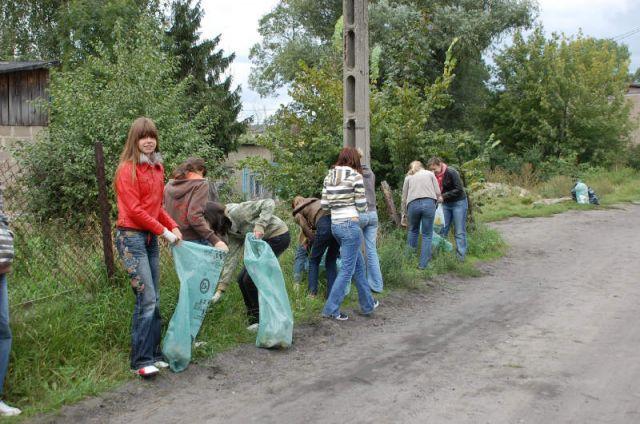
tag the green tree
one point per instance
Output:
(67, 30)
(305, 136)
(28, 29)
(562, 98)
(205, 65)
(413, 36)
(98, 100)
(294, 32)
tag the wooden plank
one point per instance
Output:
(391, 206)
(15, 100)
(46, 79)
(4, 100)
(25, 97)
(43, 84)
(33, 95)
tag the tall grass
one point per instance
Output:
(77, 344)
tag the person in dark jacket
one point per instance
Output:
(454, 203)
(315, 224)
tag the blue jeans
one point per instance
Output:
(369, 225)
(140, 254)
(300, 263)
(5, 331)
(421, 212)
(349, 237)
(456, 212)
(324, 241)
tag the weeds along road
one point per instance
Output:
(549, 334)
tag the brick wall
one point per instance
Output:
(13, 134)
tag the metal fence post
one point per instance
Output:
(105, 207)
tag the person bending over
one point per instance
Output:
(235, 220)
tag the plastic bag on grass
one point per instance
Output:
(198, 269)
(580, 192)
(275, 328)
(437, 241)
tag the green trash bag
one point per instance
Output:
(275, 328)
(437, 241)
(198, 267)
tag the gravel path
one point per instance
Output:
(548, 334)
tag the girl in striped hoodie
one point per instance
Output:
(343, 194)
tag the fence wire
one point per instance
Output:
(52, 258)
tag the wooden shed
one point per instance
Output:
(20, 84)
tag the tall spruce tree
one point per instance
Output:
(202, 61)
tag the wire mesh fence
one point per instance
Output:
(51, 257)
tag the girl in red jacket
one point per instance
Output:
(139, 184)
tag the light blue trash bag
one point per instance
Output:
(198, 269)
(275, 328)
(437, 241)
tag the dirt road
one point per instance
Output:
(549, 334)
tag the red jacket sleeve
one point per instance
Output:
(166, 220)
(129, 196)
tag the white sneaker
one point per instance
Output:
(8, 411)
(161, 364)
(148, 371)
(253, 328)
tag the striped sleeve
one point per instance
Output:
(324, 201)
(359, 192)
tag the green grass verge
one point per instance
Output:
(75, 345)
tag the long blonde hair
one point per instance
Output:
(414, 167)
(141, 128)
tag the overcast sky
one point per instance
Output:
(237, 21)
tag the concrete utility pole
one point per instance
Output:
(356, 76)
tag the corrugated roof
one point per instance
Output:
(7, 67)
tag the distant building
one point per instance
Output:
(633, 94)
(243, 180)
(20, 84)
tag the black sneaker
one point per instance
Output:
(376, 303)
(339, 317)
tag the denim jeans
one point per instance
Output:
(300, 263)
(349, 237)
(369, 225)
(140, 254)
(248, 288)
(421, 212)
(323, 242)
(456, 213)
(5, 331)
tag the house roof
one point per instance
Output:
(8, 67)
